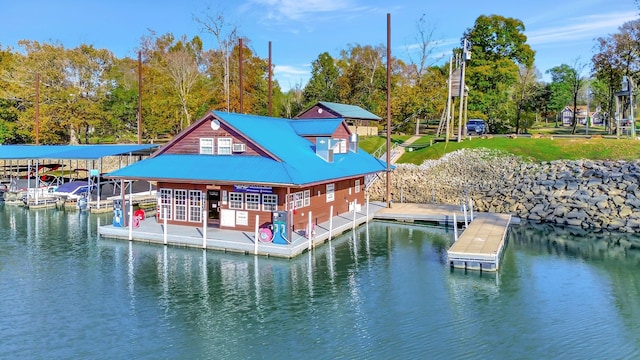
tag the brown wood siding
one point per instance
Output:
(313, 113)
(344, 194)
(190, 144)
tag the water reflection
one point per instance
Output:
(381, 291)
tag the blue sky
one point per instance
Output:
(559, 31)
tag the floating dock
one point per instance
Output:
(481, 244)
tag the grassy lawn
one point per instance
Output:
(372, 143)
(543, 149)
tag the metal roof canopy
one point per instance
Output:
(73, 152)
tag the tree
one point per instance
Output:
(323, 84)
(617, 56)
(525, 90)
(498, 46)
(226, 36)
(569, 82)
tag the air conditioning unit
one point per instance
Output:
(239, 148)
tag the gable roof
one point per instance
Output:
(350, 111)
(294, 160)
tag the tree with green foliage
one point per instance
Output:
(323, 84)
(569, 81)
(498, 46)
(617, 56)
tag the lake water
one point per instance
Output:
(380, 293)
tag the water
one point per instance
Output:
(66, 293)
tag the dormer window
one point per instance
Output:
(340, 146)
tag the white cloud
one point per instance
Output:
(298, 9)
(580, 28)
(290, 76)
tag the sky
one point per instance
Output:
(559, 31)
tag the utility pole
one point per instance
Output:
(388, 110)
(464, 57)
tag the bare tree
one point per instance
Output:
(226, 36)
(426, 47)
(181, 66)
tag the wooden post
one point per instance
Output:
(388, 110)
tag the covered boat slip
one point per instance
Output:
(32, 173)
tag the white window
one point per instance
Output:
(166, 196)
(180, 204)
(252, 201)
(195, 205)
(307, 198)
(342, 146)
(206, 146)
(298, 200)
(330, 192)
(269, 202)
(224, 146)
(235, 201)
(357, 186)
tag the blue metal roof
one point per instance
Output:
(296, 161)
(321, 127)
(350, 111)
(82, 152)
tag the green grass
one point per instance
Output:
(543, 149)
(372, 143)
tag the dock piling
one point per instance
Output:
(255, 238)
(455, 227)
(164, 217)
(330, 221)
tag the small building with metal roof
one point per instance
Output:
(359, 120)
(237, 171)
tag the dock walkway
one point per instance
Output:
(479, 247)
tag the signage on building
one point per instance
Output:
(256, 189)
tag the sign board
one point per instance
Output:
(256, 189)
(242, 218)
(227, 218)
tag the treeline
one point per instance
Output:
(88, 95)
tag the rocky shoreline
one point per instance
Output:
(593, 195)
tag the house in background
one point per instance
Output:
(240, 166)
(581, 116)
(359, 120)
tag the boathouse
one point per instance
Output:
(359, 120)
(231, 170)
